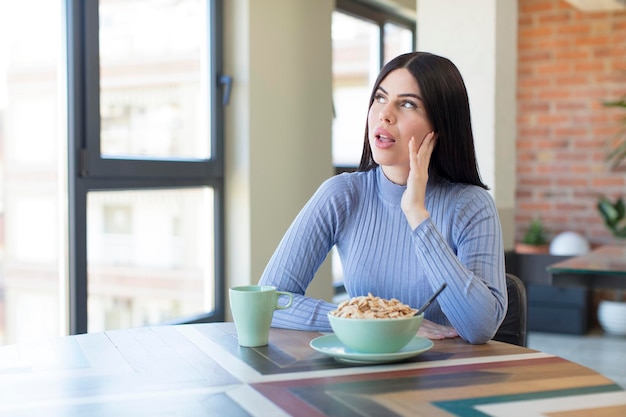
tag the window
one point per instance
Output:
(364, 39)
(147, 181)
(111, 161)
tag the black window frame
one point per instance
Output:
(89, 171)
(379, 15)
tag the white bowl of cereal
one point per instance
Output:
(374, 325)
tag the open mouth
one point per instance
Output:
(385, 139)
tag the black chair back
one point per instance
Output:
(513, 328)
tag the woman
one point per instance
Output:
(415, 215)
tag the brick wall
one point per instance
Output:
(569, 63)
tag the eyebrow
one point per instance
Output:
(415, 96)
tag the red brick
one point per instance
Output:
(618, 65)
(593, 91)
(559, 18)
(536, 56)
(590, 118)
(552, 118)
(534, 182)
(534, 131)
(592, 66)
(570, 106)
(576, 54)
(555, 43)
(534, 107)
(533, 82)
(619, 25)
(570, 206)
(554, 93)
(536, 32)
(582, 169)
(525, 20)
(532, 7)
(534, 207)
(592, 41)
(573, 29)
(608, 182)
(572, 80)
(602, 52)
(570, 131)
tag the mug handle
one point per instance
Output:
(283, 306)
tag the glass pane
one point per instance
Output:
(154, 98)
(398, 40)
(32, 148)
(150, 256)
(355, 67)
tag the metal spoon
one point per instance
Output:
(431, 299)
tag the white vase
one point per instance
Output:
(612, 317)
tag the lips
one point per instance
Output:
(384, 139)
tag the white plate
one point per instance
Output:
(331, 345)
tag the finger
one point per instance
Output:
(412, 153)
(428, 144)
(426, 150)
(430, 335)
(436, 331)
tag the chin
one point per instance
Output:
(383, 160)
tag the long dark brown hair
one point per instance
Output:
(446, 103)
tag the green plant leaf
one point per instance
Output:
(614, 215)
(616, 103)
(535, 234)
(619, 206)
(608, 212)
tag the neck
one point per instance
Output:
(397, 175)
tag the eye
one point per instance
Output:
(379, 98)
(408, 105)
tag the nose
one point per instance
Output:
(386, 115)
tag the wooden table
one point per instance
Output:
(604, 267)
(199, 370)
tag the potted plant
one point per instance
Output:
(535, 239)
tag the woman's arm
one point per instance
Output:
(475, 300)
(302, 250)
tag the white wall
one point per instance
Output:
(278, 126)
(480, 37)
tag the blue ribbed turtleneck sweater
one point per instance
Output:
(360, 214)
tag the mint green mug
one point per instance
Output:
(252, 307)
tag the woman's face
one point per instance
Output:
(396, 115)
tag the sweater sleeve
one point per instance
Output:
(472, 266)
(302, 250)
